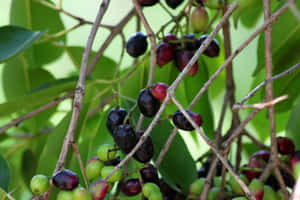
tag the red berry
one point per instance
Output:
(182, 59)
(285, 145)
(99, 190)
(263, 154)
(131, 187)
(255, 163)
(182, 123)
(159, 91)
(164, 53)
(171, 38)
(65, 180)
(147, 2)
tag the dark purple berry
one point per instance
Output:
(171, 39)
(263, 154)
(137, 44)
(285, 145)
(182, 58)
(213, 49)
(125, 138)
(115, 118)
(202, 172)
(147, 2)
(65, 179)
(166, 190)
(164, 53)
(145, 153)
(113, 162)
(131, 187)
(147, 103)
(182, 123)
(174, 3)
(191, 43)
(149, 174)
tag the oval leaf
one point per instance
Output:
(4, 174)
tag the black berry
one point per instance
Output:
(65, 180)
(174, 3)
(213, 49)
(137, 44)
(285, 145)
(182, 123)
(113, 162)
(131, 187)
(125, 137)
(149, 174)
(182, 58)
(191, 42)
(171, 39)
(202, 172)
(145, 153)
(148, 104)
(115, 117)
(164, 53)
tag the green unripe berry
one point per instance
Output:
(296, 170)
(269, 193)
(236, 187)
(197, 186)
(148, 188)
(213, 193)
(155, 195)
(240, 198)
(214, 4)
(65, 195)
(199, 19)
(280, 195)
(105, 152)
(81, 193)
(39, 184)
(114, 177)
(217, 181)
(93, 168)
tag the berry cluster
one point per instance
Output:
(250, 174)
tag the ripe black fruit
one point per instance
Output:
(137, 44)
(182, 123)
(65, 180)
(113, 162)
(149, 174)
(182, 58)
(166, 190)
(191, 43)
(145, 153)
(148, 105)
(202, 172)
(213, 49)
(147, 2)
(131, 187)
(115, 117)
(174, 3)
(125, 138)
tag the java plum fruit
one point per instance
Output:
(164, 53)
(65, 179)
(182, 123)
(147, 2)
(125, 137)
(137, 44)
(159, 91)
(115, 117)
(182, 58)
(213, 49)
(285, 145)
(174, 3)
(146, 151)
(149, 174)
(131, 187)
(147, 103)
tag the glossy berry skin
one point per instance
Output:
(65, 179)
(159, 91)
(98, 190)
(182, 59)
(113, 162)
(149, 174)
(146, 151)
(93, 168)
(164, 53)
(137, 44)
(131, 187)
(171, 39)
(257, 189)
(39, 184)
(174, 3)
(166, 190)
(125, 138)
(191, 42)
(199, 19)
(263, 154)
(213, 49)
(285, 145)
(115, 117)
(114, 177)
(255, 163)
(182, 123)
(106, 152)
(147, 2)
(202, 172)
(147, 103)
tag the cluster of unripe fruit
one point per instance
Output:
(250, 173)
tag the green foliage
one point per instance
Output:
(293, 125)
(4, 174)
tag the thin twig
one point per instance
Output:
(262, 84)
(209, 177)
(255, 141)
(17, 121)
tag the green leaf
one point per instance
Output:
(4, 174)
(285, 37)
(28, 165)
(292, 128)
(15, 39)
(35, 16)
(3, 194)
